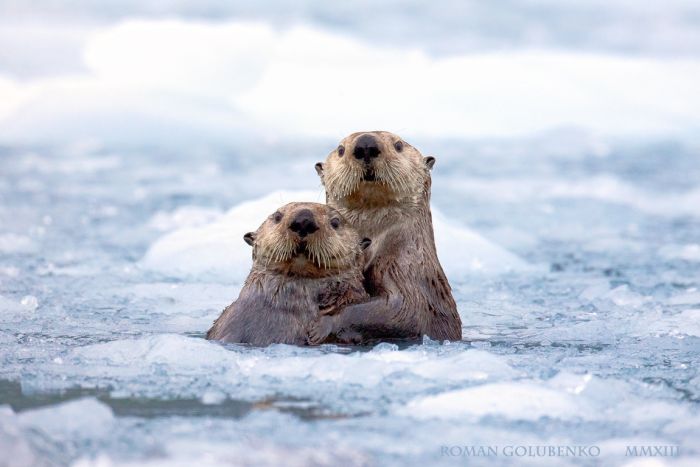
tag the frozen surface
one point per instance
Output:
(566, 201)
(131, 88)
(216, 250)
(581, 326)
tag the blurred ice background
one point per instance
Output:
(139, 140)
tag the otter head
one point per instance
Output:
(306, 240)
(375, 167)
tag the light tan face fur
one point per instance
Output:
(334, 246)
(400, 171)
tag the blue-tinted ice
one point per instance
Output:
(592, 337)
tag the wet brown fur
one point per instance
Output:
(287, 286)
(411, 296)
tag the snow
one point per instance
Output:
(515, 401)
(690, 252)
(566, 396)
(135, 152)
(685, 323)
(9, 308)
(12, 243)
(16, 448)
(185, 216)
(606, 188)
(237, 372)
(689, 297)
(216, 250)
(81, 417)
(133, 88)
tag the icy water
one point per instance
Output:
(592, 340)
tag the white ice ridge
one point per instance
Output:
(566, 396)
(226, 77)
(216, 251)
(248, 373)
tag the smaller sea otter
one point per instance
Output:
(306, 259)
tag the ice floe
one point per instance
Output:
(216, 250)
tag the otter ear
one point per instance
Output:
(249, 238)
(365, 243)
(429, 161)
(319, 169)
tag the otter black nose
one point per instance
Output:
(366, 148)
(304, 223)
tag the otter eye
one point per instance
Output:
(398, 146)
(335, 222)
(341, 151)
(277, 217)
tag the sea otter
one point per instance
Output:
(381, 185)
(306, 258)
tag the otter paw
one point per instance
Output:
(331, 310)
(350, 337)
(320, 330)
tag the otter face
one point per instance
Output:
(375, 163)
(306, 239)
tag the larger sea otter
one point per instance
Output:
(381, 185)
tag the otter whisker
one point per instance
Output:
(344, 180)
